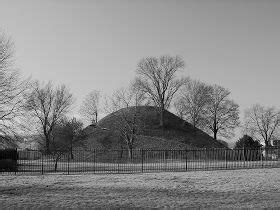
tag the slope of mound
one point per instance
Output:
(176, 133)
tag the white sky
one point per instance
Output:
(96, 45)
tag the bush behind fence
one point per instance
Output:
(122, 161)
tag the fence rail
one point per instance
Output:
(136, 161)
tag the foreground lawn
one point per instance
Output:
(253, 188)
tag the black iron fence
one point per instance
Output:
(136, 161)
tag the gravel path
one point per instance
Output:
(254, 188)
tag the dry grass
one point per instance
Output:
(254, 188)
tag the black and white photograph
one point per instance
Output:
(149, 104)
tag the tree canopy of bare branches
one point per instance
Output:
(222, 113)
(126, 101)
(47, 105)
(192, 101)
(262, 122)
(125, 97)
(156, 77)
(69, 134)
(12, 90)
(90, 107)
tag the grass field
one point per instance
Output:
(251, 188)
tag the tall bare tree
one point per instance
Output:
(126, 101)
(47, 105)
(192, 101)
(262, 122)
(90, 107)
(156, 77)
(179, 107)
(121, 98)
(12, 90)
(222, 115)
(69, 134)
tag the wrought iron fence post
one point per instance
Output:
(261, 152)
(68, 164)
(42, 157)
(205, 165)
(226, 157)
(244, 157)
(118, 160)
(16, 157)
(186, 159)
(142, 160)
(164, 158)
(94, 151)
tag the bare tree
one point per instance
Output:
(124, 98)
(192, 102)
(126, 101)
(179, 107)
(262, 122)
(47, 105)
(12, 90)
(156, 77)
(90, 108)
(68, 134)
(222, 115)
(121, 98)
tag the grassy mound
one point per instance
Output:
(176, 133)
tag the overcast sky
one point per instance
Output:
(96, 45)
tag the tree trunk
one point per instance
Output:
(130, 153)
(47, 145)
(215, 133)
(161, 122)
(71, 150)
(48, 140)
(215, 129)
(121, 153)
(266, 142)
(56, 161)
(194, 124)
(55, 165)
